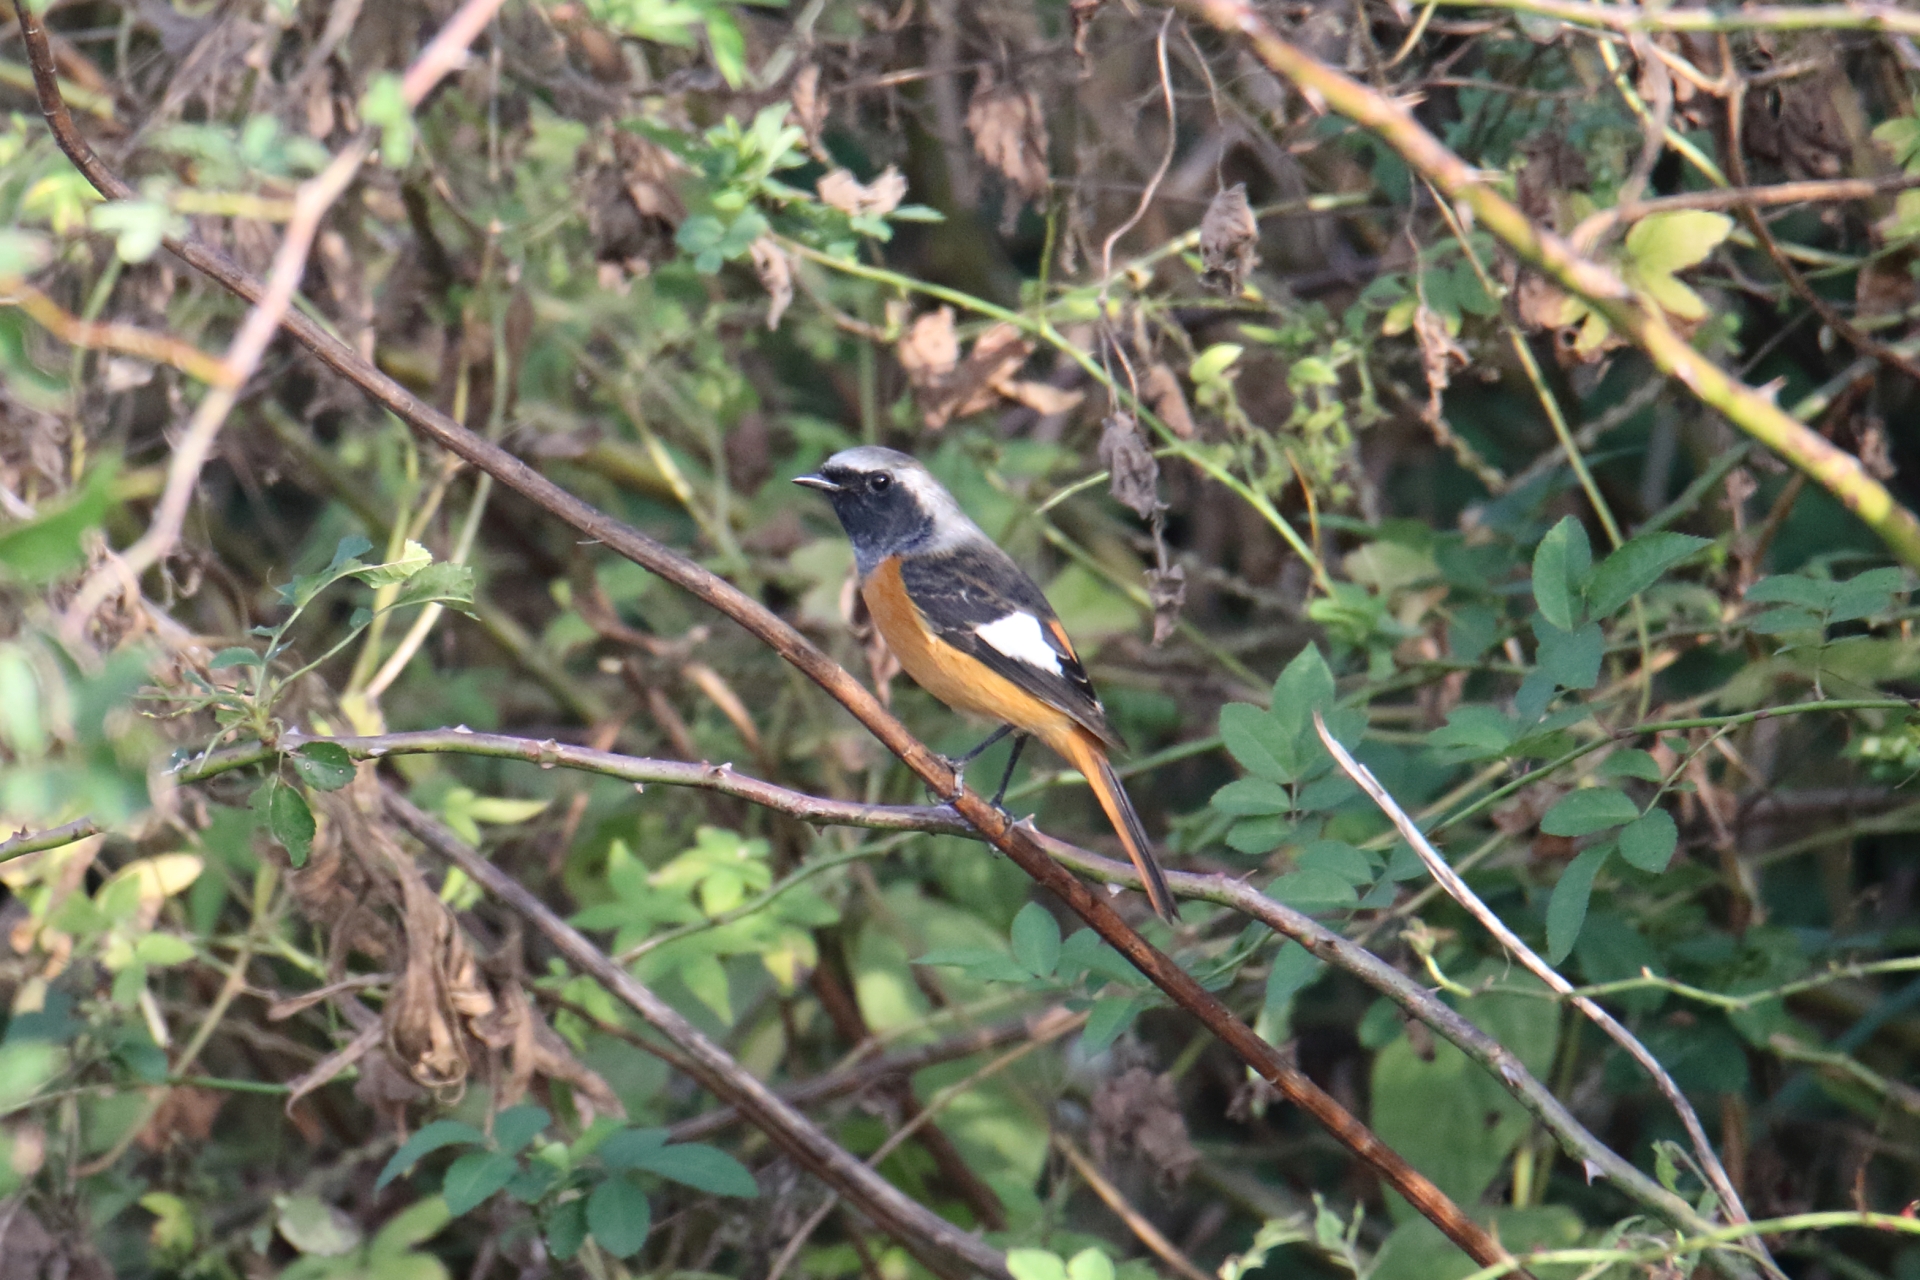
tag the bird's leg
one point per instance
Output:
(959, 764)
(1013, 759)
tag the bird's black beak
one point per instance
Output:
(821, 483)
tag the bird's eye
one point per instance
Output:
(880, 482)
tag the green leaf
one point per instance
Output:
(1253, 798)
(1631, 763)
(50, 546)
(474, 1177)
(1305, 686)
(1036, 940)
(1210, 364)
(1035, 1264)
(1259, 742)
(1663, 243)
(439, 583)
(1090, 1264)
(1635, 566)
(1567, 910)
(1109, 1016)
(441, 1133)
(1571, 658)
(701, 1167)
(324, 766)
(416, 1224)
(1648, 841)
(626, 1148)
(1337, 857)
(413, 558)
(291, 822)
(619, 1216)
(315, 1227)
(384, 106)
(1560, 566)
(1867, 594)
(1792, 588)
(236, 657)
(1589, 810)
(567, 1229)
(1473, 733)
(515, 1127)
(1782, 621)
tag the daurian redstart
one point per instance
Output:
(973, 630)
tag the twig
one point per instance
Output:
(1136, 1222)
(937, 1243)
(25, 842)
(1638, 319)
(95, 335)
(1159, 175)
(1459, 890)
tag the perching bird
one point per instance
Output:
(973, 630)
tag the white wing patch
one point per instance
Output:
(1018, 635)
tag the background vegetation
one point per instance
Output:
(1520, 388)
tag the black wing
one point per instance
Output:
(978, 600)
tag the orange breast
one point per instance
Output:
(960, 681)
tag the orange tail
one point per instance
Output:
(1090, 758)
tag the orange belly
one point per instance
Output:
(960, 681)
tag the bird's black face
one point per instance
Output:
(877, 506)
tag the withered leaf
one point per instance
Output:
(1138, 1113)
(1010, 133)
(1043, 397)
(948, 387)
(776, 277)
(929, 350)
(1135, 473)
(841, 190)
(1161, 390)
(1167, 590)
(1229, 241)
(809, 107)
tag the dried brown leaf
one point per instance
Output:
(810, 107)
(1876, 454)
(929, 350)
(1138, 1113)
(1134, 472)
(841, 190)
(1161, 390)
(776, 277)
(186, 1113)
(1229, 241)
(1010, 133)
(1042, 397)
(1167, 590)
